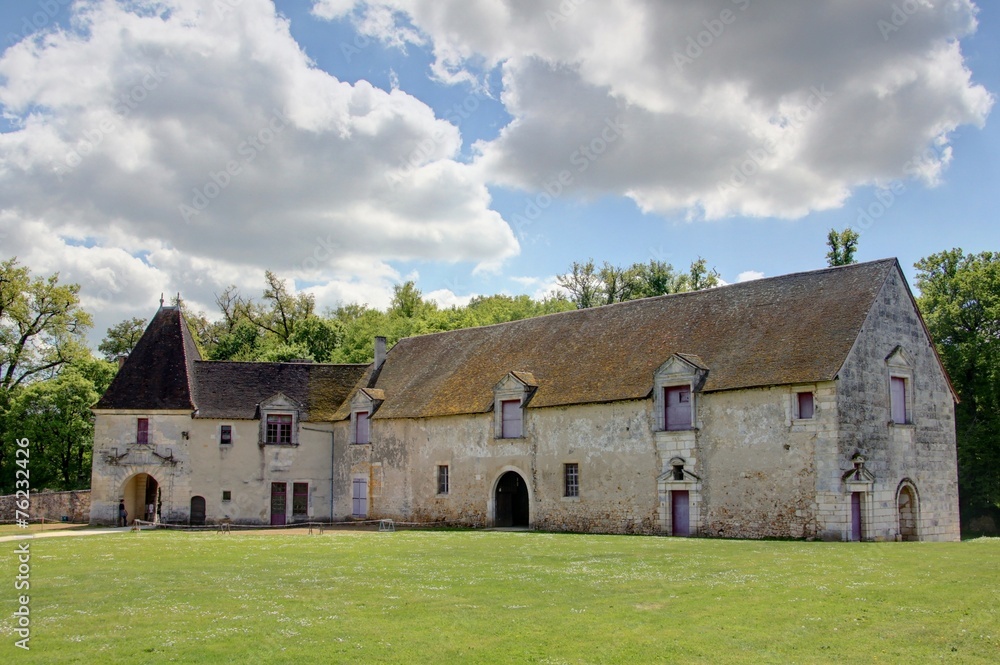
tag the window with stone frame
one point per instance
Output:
(805, 405)
(571, 479)
(898, 389)
(443, 479)
(512, 419)
(225, 434)
(362, 427)
(677, 407)
(278, 428)
(142, 431)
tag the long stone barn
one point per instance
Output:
(808, 405)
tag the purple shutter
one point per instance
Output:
(806, 406)
(678, 407)
(856, 516)
(898, 398)
(511, 418)
(359, 498)
(680, 513)
(362, 433)
(142, 431)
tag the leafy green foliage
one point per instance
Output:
(54, 415)
(589, 286)
(121, 338)
(960, 301)
(843, 245)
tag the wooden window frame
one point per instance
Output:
(901, 402)
(225, 435)
(278, 429)
(297, 496)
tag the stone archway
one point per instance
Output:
(139, 492)
(511, 505)
(908, 507)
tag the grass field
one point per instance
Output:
(465, 597)
(36, 527)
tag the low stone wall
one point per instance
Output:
(74, 505)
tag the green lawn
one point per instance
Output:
(454, 596)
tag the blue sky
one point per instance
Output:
(185, 145)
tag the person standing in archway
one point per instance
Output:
(122, 513)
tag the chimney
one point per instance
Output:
(379, 352)
(121, 361)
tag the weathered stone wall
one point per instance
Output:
(922, 451)
(200, 466)
(758, 463)
(73, 505)
(612, 443)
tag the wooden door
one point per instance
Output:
(680, 513)
(359, 498)
(278, 492)
(856, 516)
(197, 510)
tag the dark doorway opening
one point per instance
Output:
(511, 501)
(197, 510)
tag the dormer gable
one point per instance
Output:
(279, 420)
(511, 395)
(364, 404)
(675, 384)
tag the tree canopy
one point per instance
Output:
(960, 301)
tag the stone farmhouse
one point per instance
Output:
(808, 405)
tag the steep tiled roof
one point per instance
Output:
(156, 375)
(793, 329)
(233, 389)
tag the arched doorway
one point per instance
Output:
(510, 504)
(197, 510)
(906, 503)
(139, 493)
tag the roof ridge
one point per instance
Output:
(648, 299)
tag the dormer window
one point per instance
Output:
(510, 397)
(279, 422)
(511, 426)
(675, 384)
(362, 427)
(364, 404)
(279, 428)
(677, 401)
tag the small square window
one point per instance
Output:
(442, 478)
(226, 434)
(806, 405)
(227, 495)
(571, 477)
